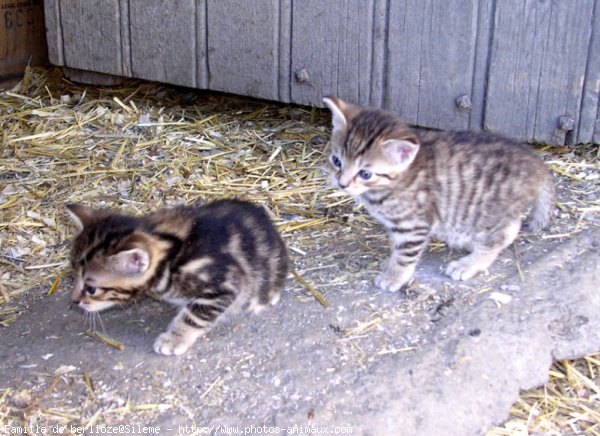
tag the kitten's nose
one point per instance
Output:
(344, 182)
(345, 179)
(76, 295)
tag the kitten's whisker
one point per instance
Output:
(97, 315)
(87, 321)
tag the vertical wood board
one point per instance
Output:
(201, 45)
(332, 47)
(485, 21)
(537, 67)
(91, 35)
(163, 40)
(378, 82)
(431, 53)
(125, 39)
(243, 47)
(590, 103)
(285, 50)
(54, 32)
(564, 67)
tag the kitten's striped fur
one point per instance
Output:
(202, 259)
(468, 189)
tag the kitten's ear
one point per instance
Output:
(81, 215)
(338, 118)
(130, 262)
(340, 111)
(401, 151)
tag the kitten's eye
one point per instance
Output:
(336, 161)
(89, 290)
(365, 174)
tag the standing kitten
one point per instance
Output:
(467, 189)
(202, 259)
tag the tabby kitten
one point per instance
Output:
(203, 259)
(465, 188)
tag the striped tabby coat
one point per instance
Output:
(202, 259)
(465, 188)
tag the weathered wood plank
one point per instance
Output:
(201, 45)
(163, 40)
(590, 103)
(125, 39)
(485, 22)
(54, 32)
(243, 47)
(332, 50)
(379, 56)
(431, 51)
(564, 66)
(538, 62)
(91, 35)
(285, 52)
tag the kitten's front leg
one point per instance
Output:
(191, 322)
(407, 246)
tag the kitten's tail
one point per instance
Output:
(543, 205)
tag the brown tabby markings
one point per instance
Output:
(203, 259)
(468, 189)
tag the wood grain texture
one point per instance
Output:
(537, 67)
(126, 69)
(163, 40)
(201, 45)
(243, 47)
(431, 51)
(589, 121)
(91, 35)
(521, 65)
(285, 50)
(54, 32)
(378, 82)
(485, 21)
(332, 50)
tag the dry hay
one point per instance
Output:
(145, 145)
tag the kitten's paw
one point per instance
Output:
(463, 270)
(394, 279)
(257, 307)
(275, 299)
(168, 344)
(389, 282)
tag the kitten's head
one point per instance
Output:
(112, 257)
(370, 148)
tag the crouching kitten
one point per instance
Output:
(203, 259)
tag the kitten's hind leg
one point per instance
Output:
(472, 264)
(484, 253)
(270, 294)
(191, 322)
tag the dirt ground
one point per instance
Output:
(443, 358)
(369, 362)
